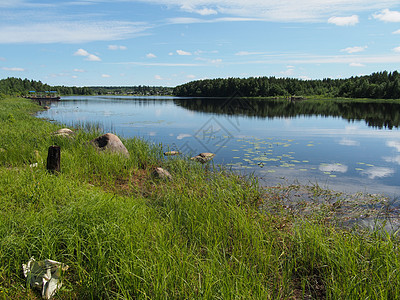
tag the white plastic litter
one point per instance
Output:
(44, 275)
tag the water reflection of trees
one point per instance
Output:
(379, 115)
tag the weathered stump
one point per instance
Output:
(54, 159)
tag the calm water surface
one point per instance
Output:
(340, 145)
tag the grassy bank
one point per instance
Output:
(127, 235)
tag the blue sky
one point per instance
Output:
(170, 42)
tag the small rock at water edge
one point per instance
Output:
(203, 157)
(171, 153)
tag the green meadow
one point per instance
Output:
(206, 234)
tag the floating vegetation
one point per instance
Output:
(272, 152)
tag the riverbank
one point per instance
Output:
(204, 234)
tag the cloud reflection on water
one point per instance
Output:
(378, 172)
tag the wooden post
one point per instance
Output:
(54, 159)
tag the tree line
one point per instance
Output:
(132, 90)
(379, 85)
(21, 87)
(382, 85)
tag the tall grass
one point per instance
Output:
(128, 235)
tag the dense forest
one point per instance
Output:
(20, 87)
(132, 90)
(379, 85)
(382, 85)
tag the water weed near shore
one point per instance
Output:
(201, 235)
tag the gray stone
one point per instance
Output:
(110, 142)
(203, 157)
(161, 174)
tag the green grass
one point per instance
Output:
(127, 235)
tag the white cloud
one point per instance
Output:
(184, 20)
(105, 76)
(81, 52)
(204, 11)
(92, 57)
(150, 55)
(356, 65)
(282, 10)
(387, 15)
(245, 53)
(13, 69)
(344, 21)
(287, 72)
(210, 61)
(338, 59)
(396, 32)
(397, 49)
(70, 32)
(181, 52)
(140, 63)
(378, 172)
(74, 76)
(333, 168)
(89, 57)
(190, 76)
(116, 47)
(79, 70)
(158, 77)
(199, 52)
(354, 49)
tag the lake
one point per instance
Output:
(343, 145)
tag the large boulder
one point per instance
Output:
(203, 157)
(110, 142)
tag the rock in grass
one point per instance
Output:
(203, 157)
(110, 142)
(171, 153)
(161, 174)
(64, 132)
